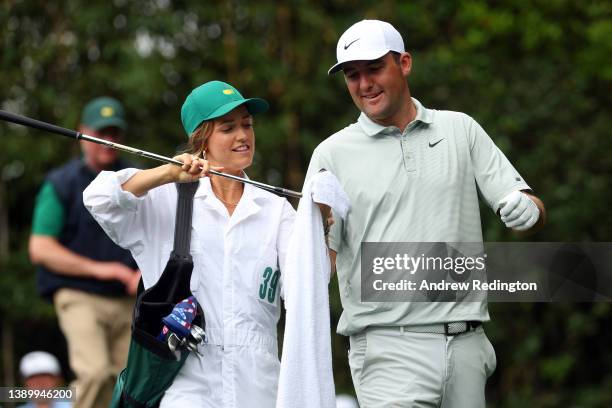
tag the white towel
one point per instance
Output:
(306, 376)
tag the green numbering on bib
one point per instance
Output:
(267, 289)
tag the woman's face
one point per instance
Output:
(232, 142)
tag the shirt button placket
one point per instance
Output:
(408, 155)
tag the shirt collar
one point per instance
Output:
(372, 128)
(251, 193)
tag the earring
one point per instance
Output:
(204, 154)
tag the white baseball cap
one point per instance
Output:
(39, 362)
(367, 40)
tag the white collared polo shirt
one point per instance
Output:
(419, 185)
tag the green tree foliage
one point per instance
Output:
(535, 74)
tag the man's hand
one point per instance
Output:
(113, 271)
(132, 286)
(120, 272)
(518, 211)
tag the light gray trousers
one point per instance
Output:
(393, 367)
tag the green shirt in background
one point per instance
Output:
(420, 185)
(48, 216)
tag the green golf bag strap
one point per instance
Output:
(152, 366)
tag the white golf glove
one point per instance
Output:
(518, 211)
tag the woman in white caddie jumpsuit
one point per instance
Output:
(238, 244)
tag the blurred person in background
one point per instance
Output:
(41, 371)
(91, 281)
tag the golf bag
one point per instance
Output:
(152, 365)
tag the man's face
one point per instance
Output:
(43, 381)
(379, 87)
(100, 157)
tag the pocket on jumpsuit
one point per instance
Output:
(259, 384)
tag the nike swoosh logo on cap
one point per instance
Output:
(433, 144)
(349, 44)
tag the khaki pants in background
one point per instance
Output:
(392, 368)
(97, 330)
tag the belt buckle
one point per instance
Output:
(447, 329)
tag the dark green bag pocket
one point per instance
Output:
(147, 377)
(151, 365)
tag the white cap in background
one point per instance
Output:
(39, 362)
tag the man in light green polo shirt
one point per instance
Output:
(412, 175)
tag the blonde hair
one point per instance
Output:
(198, 139)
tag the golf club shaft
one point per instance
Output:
(47, 127)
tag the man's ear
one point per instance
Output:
(405, 63)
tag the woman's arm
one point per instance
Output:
(143, 181)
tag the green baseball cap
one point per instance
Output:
(212, 100)
(103, 112)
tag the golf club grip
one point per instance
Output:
(37, 124)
